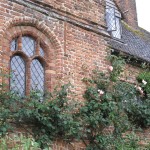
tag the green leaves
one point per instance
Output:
(17, 142)
(118, 64)
(48, 120)
(145, 76)
(139, 113)
(108, 103)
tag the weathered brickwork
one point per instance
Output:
(91, 10)
(128, 8)
(131, 72)
(72, 51)
(84, 52)
(72, 33)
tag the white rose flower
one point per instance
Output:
(101, 92)
(144, 82)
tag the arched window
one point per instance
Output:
(27, 69)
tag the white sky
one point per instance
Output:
(143, 11)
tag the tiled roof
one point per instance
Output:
(133, 42)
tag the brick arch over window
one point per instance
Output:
(39, 31)
(39, 25)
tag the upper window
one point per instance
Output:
(27, 70)
(113, 17)
(117, 33)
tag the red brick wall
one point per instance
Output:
(84, 51)
(73, 33)
(128, 8)
(92, 10)
(73, 48)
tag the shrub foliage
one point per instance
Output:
(109, 103)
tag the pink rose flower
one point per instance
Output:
(110, 68)
(140, 90)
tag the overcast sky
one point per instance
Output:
(143, 10)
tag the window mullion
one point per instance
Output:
(37, 47)
(27, 65)
(28, 77)
(19, 43)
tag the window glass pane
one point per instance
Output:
(117, 32)
(41, 52)
(111, 4)
(28, 45)
(110, 19)
(17, 80)
(13, 45)
(37, 76)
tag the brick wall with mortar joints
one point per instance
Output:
(84, 50)
(130, 73)
(92, 10)
(5, 40)
(79, 41)
(38, 7)
(80, 46)
(128, 8)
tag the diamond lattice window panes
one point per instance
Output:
(110, 19)
(113, 17)
(17, 80)
(37, 76)
(27, 72)
(28, 45)
(117, 32)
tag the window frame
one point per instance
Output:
(36, 58)
(117, 29)
(28, 59)
(108, 23)
(11, 70)
(116, 15)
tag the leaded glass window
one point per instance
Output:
(37, 76)
(17, 80)
(28, 45)
(117, 32)
(113, 17)
(21, 81)
(110, 19)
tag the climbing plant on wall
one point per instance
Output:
(111, 108)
